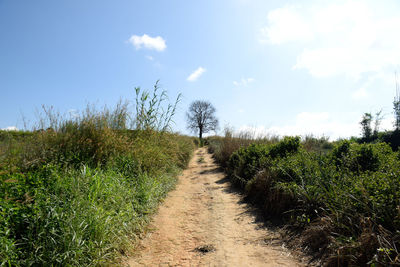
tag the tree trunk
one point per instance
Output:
(201, 133)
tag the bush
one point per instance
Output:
(345, 200)
(246, 162)
(285, 147)
(360, 157)
(223, 148)
(392, 138)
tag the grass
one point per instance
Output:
(342, 198)
(80, 191)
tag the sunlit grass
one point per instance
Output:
(77, 191)
(342, 197)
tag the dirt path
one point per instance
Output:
(203, 222)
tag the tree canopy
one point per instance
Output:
(201, 117)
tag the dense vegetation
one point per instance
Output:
(392, 138)
(342, 198)
(76, 191)
(79, 192)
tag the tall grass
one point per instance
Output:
(78, 190)
(344, 200)
(150, 112)
(223, 148)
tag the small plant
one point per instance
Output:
(151, 114)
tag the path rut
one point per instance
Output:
(204, 222)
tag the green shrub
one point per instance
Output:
(223, 148)
(285, 147)
(345, 201)
(360, 157)
(246, 162)
(340, 152)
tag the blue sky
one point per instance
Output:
(278, 67)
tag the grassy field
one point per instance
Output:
(341, 199)
(77, 192)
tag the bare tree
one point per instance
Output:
(201, 117)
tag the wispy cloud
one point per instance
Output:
(196, 74)
(346, 38)
(316, 123)
(243, 82)
(147, 42)
(150, 58)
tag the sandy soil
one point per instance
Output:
(204, 222)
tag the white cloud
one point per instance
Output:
(349, 38)
(10, 128)
(150, 58)
(243, 82)
(148, 42)
(285, 25)
(196, 74)
(316, 123)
